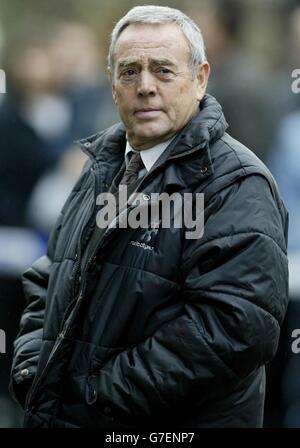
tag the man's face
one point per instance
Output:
(152, 83)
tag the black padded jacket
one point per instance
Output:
(158, 328)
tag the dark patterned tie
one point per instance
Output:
(134, 166)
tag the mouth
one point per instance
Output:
(147, 112)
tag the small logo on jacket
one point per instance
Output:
(141, 245)
(148, 234)
(146, 237)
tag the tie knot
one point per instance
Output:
(134, 166)
(135, 160)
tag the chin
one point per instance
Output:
(152, 132)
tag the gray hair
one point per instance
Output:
(161, 15)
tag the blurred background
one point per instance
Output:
(54, 57)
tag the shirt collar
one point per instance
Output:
(148, 156)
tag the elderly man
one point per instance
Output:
(127, 326)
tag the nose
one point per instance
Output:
(146, 85)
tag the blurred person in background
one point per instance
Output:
(128, 327)
(248, 93)
(284, 162)
(56, 94)
(24, 154)
(80, 79)
(78, 65)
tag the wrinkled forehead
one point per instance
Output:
(156, 41)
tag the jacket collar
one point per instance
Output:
(197, 136)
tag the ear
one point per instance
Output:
(111, 81)
(202, 79)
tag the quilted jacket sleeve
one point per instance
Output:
(235, 297)
(28, 341)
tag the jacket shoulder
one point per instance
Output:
(233, 161)
(237, 157)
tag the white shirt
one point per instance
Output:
(148, 156)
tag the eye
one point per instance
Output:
(128, 74)
(164, 72)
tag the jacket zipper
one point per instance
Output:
(77, 264)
